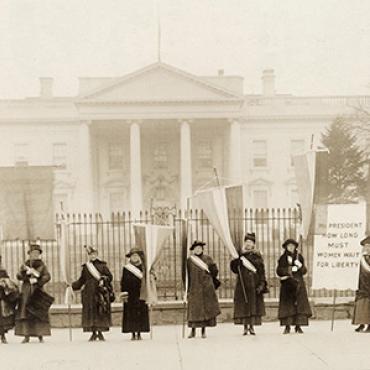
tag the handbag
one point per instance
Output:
(39, 304)
(216, 282)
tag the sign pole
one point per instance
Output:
(333, 311)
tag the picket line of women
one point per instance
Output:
(27, 309)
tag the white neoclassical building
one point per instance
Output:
(154, 137)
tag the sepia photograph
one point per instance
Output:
(184, 184)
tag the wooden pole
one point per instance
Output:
(70, 321)
(151, 320)
(185, 290)
(333, 311)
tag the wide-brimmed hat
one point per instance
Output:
(34, 247)
(290, 241)
(250, 236)
(134, 250)
(365, 241)
(197, 243)
(90, 249)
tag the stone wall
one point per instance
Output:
(167, 313)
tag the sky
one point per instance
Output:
(316, 47)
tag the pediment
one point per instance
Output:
(260, 182)
(159, 83)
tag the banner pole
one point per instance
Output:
(70, 321)
(150, 320)
(333, 311)
(185, 290)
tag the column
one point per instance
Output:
(136, 194)
(85, 194)
(185, 163)
(235, 167)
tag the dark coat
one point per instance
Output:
(202, 299)
(27, 289)
(8, 301)
(96, 310)
(135, 311)
(363, 281)
(27, 324)
(293, 292)
(255, 286)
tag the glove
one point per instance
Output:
(259, 289)
(33, 281)
(294, 269)
(123, 296)
(298, 263)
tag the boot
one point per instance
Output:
(245, 332)
(101, 336)
(298, 329)
(251, 330)
(133, 336)
(3, 339)
(26, 339)
(93, 337)
(41, 339)
(204, 335)
(360, 328)
(287, 329)
(138, 336)
(367, 329)
(192, 333)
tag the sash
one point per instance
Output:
(93, 271)
(134, 270)
(198, 262)
(248, 264)
(365, 265)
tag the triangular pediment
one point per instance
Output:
(159, 82)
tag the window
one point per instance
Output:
(21, 154)
(161, 156)
(205, 154)
(259, 153)
(116, 201)
(296, 147)
(60, 155)
(115, 156)
(260, 199)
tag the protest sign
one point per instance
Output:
(337, 253)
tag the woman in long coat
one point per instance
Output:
(8, 299)
(251, 284)
(34, 275)
(135, 310)
(294, 307)
(203, 307)
(361, 315)
(95, 281)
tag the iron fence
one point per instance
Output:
(114, 238)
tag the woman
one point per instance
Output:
(294, 308)
(203, 305)
(135, 311)
(34, 275)
(361, 315)
(97, 294)
(8, 299)
(251, 284)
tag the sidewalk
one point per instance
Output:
(225, 348)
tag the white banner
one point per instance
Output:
(337, 254)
